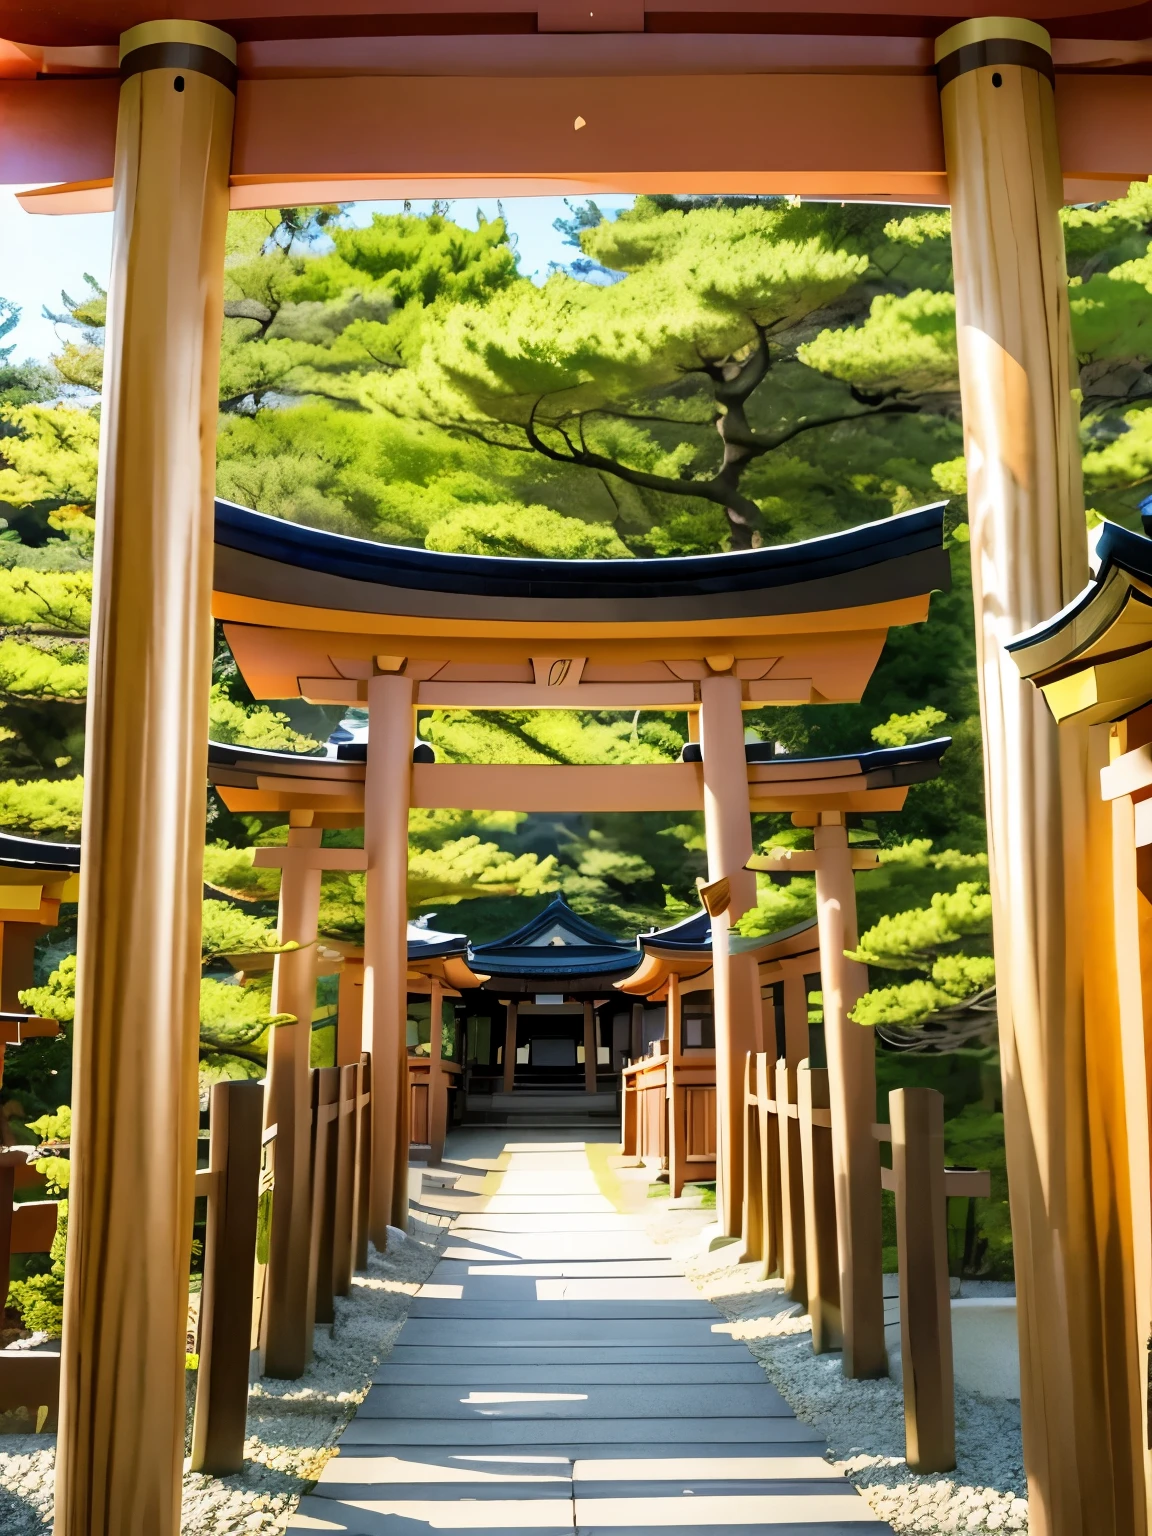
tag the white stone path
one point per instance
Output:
(558, 1373)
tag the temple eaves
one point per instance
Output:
(1091, 660)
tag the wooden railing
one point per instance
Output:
(789, 1191)
(429, 1086)
(239, 1186)
(790, 1227)
(668, 1113)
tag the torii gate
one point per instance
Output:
(257, 102)
(737, 780)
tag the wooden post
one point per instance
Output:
(437, 1077)
(637, 1031)
(1029, 559)
(7, 1189)
(752, 1218)
(510, 1045)
(343, 1221)
(350, 1012)
(362, 1173)
(736, 979)
(17, 957)
(321, 1248)
(122, 1411)
(589, 1048)
(770, 1186)
(917, 1117)
(218, 1427)
(792, 1260)
(852, 1089)
(387, 795)
(822, 1266)
(286, 1343)
(1132, 947)
(630, 1116)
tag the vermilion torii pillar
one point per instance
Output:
(736, 1000)
(122, 1369)
(1029, 559)
(286, 1326)
(387, 796)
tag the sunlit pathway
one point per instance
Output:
(559, 1373)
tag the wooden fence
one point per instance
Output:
(668, 1113)
(790, 1228)
(239, 1187)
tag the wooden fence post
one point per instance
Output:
(629, 1118)
(325, 1108)
(8, 1160)
(793, 1257)
(218, 1426)
(822, 1261)
(362, 1175)
(753, 1215)
(344, 1218)
(917, 1117)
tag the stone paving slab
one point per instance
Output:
(460, 1373)
(460, 1272)
(535, 1309)
(514, 1331)
(523, 1433)
(565, 1355)
(558, 1373)
(546, 1400)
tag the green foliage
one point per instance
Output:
(53, 671)
(48, 456)
(907, 344)
(509, 529)
(38, 809)
(899, 730)
(39, 1300)
(908, 940)
(228, 930)
(57, 998)
(779, 907)
(256, 726)
(48, 600)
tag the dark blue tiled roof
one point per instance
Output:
(585, 950)
(32, 853)
(871, 760)
(1116, 549)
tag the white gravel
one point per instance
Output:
(863, 1421)
(292, 1425)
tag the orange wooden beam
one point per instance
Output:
(867, 135)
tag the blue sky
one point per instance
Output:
(42, 254)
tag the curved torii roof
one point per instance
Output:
(1091, 659)
(315, 615)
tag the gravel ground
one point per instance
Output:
(863, 1421)
(292, 1425)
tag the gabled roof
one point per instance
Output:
(556, 943)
